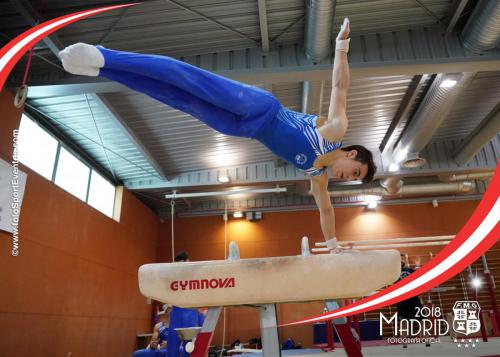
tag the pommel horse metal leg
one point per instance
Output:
(351, 344)
(269, 331)
(202, 342)
(204, 338)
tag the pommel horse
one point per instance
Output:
(263, 282)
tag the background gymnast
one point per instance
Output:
(309, 142)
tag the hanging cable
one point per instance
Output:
(172, 210)
(225, 257)
(225, 229)
(22, 91)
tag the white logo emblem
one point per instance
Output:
(466, 317)
(300, 159)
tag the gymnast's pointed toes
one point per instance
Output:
(82, 54)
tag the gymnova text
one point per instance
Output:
(200, 284)
(16, 204)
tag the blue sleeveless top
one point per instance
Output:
(163, 332)
(294, 137)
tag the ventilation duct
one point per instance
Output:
(479, 137)
(392, 184)
(318, 34)
(472, 176)
(434, 108)
(317, 45)
(482, 31)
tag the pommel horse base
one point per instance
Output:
(267, 281)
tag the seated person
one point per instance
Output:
(158, 344)
(181, 317)
(407, 309)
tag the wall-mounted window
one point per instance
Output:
(101, 194)
(36, 148)
(72, 174)
(42, 153)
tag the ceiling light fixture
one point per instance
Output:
(448, 83)
(372, 201)
(224, 178)
(393, 167)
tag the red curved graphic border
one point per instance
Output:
(491, 198)
(46, 29)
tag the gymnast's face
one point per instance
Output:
(347, 168)
(164, 317)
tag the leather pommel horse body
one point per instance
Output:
(263, 282)
(270, 280)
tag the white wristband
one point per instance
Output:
(342, 45)
(332, 243)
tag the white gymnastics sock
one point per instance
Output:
(82, 70)
(82, 54)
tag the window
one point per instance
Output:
(36, 148)
(101, 194)
(72, 174)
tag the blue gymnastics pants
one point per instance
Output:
(228, 106)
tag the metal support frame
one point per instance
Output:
(204, 338)
(458, 8)
(68, 142)
(33, 18)
(438, 155)
(115, 25)
(225, 193)
(427, 10)
(264, 33)
(122, 125)
(211, 19)
(351, 343)
(408, 52)
(269, 331)
(487, 129)
(403, 111)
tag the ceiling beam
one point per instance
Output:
(69, 143)
(127, 131)
(264, 33)
(33, 18)
(74, 86)
(409, 52)
(479, 137)
(458, 8)
(438, 155)
(403, 111)
(212, 20)
(297, 203)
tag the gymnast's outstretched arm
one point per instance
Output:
(336, 125)
(319, 188)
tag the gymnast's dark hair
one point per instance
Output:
(181, 257)
(365, 157)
